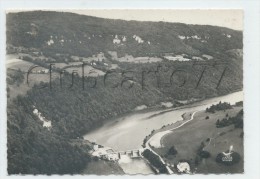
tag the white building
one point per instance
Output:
(105, 153)
(183, 167)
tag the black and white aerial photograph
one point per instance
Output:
(124, 92)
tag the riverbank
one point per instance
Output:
(155, 139)
(166, 128)
(157, 108)
(128, 132)
(202, 132)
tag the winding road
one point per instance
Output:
(155, 140)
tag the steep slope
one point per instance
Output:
(75, 111)
(60, 32)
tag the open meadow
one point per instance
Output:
(203, 131)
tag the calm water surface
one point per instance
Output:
(128, 132)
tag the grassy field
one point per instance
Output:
(13, 65)
(188, 138)
(102, 167)
(24, 66)
(88, 71)
(16, 65)
(62, 65)
(22, 87)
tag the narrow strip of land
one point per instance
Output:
(155, 140)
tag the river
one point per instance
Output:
(128, 132)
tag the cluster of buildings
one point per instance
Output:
(41, 71)
(105, 153)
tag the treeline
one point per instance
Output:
(181, 80)
(32, 149)
(74, 111)
(14, 77)
(219, 107)
(240, 103)
(237, 121)
(106, 97)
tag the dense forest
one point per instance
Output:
(85, 109)
(85, 35)
(106, 97)
(33, 149)
(74, 109)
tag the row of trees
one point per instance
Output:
(236, 120)
(219, 107)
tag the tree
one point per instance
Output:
(204, 154)
(172, 151)
(218, 122)
(197, 160)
